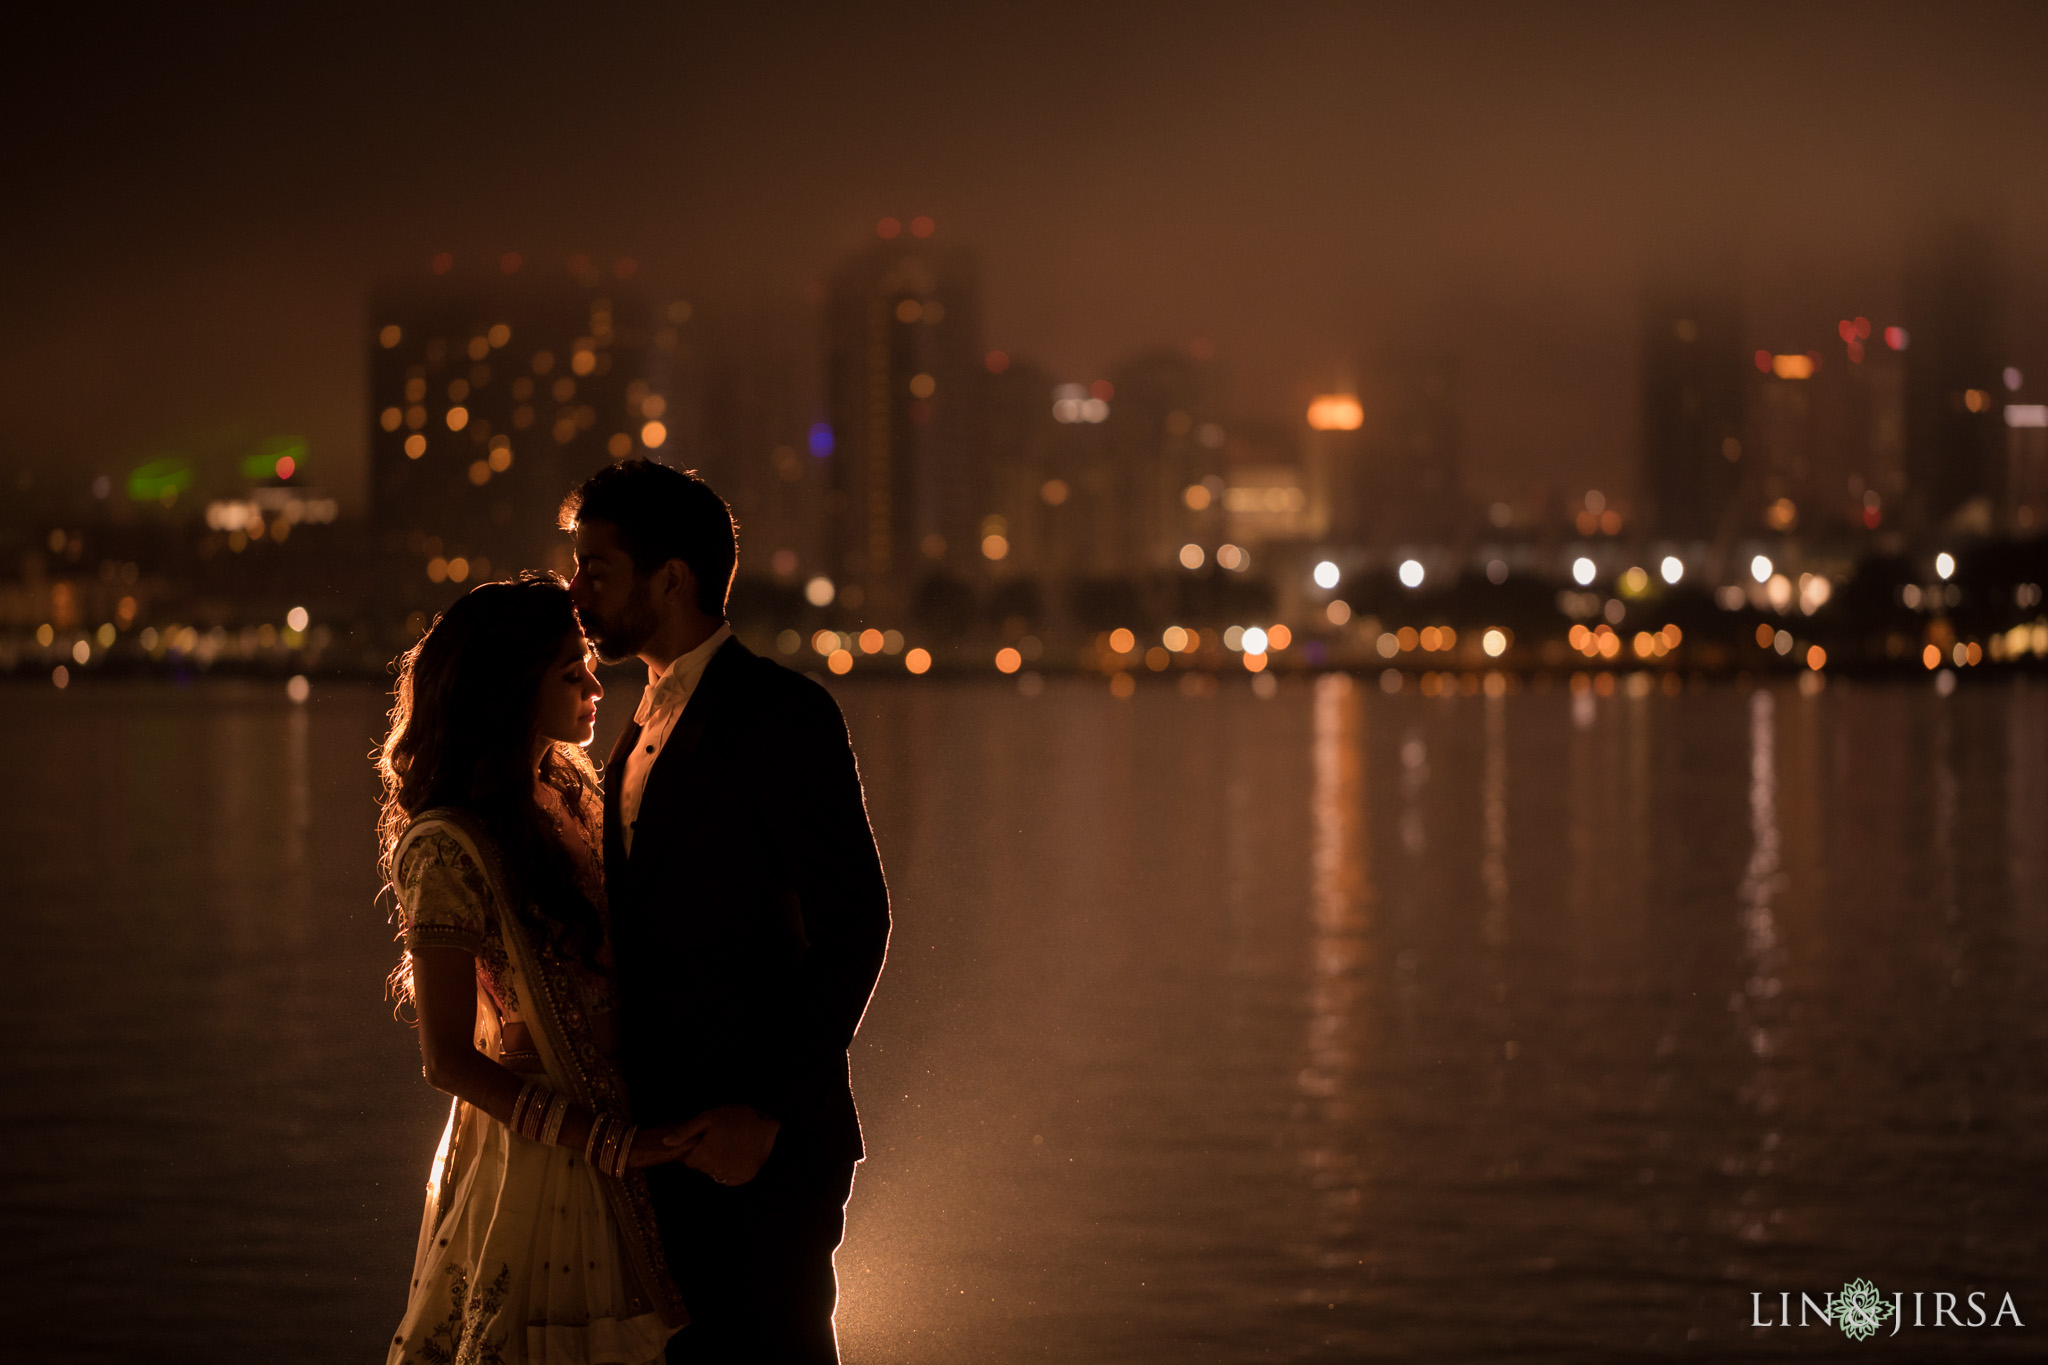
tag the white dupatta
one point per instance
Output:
(526, 1253)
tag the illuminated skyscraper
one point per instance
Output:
(1161, 402)
(1693, 383)
(756, 366)
(1410, 488)
(1332, 462)
(491, 396)
(904, 377)
(1030, 486)
(1822, 452)
(1955, 441)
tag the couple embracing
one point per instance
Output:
(640, 988)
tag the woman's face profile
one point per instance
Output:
(568, 695)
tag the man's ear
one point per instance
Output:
(679, 578)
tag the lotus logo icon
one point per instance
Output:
(1860, 1310)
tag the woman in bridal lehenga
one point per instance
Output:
(538, 1243)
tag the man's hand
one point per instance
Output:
(659, 1145)
(730, 1143)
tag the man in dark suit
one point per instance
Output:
(749, 921)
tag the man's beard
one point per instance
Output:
(619, 638)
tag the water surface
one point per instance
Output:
(1337, 1026)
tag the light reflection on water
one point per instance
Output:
(1336, 1026)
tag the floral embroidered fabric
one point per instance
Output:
(527, 1254)
(446, 901)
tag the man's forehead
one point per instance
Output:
(597, 539)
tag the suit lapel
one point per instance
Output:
(704, 702)
(614, 788)
(669, 778)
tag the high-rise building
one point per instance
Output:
(1822, 454)
(1265, 495)
(1160, 402)
(1332, 463)
(761, 439)
(1693, 382)
(1408, 488)
(491, 396)
(904, 379)
(1955, 441)
(1031, 487)
(2026, 468)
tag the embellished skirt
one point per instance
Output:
(519, 1260)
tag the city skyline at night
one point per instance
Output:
(1253, 304)
(920, 489)
(1304, 191)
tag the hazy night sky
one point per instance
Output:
(197, 205)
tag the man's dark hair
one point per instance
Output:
(662, 514)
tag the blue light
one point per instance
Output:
(821, 440)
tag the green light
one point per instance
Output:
(154, 480)
(262, 465)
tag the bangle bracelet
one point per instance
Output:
(519, 1105)
(615, 1160)
(609, 1149)
(558, 1111)
(598, 1123)
(537, 1114)
(623, 1161)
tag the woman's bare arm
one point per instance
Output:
(444, 994)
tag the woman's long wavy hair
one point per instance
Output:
(464, 717)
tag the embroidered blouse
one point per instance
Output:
(446, 901)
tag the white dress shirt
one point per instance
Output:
(667, 694)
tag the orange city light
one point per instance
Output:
(1792, 366)
(1336, 412)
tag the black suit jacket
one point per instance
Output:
(750, 921)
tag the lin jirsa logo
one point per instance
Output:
(1861, 1311)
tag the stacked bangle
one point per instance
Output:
(558, 1111)
(598, 1123)
(609, 1149)
(539, 1113)
(521, 1107)
(536, 1114)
